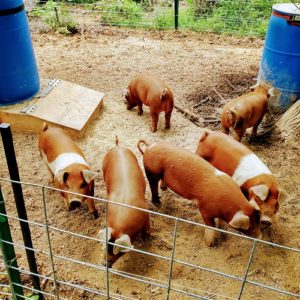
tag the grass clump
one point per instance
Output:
(57, 17)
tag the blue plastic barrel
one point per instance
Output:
(280, 63)
(19, 78)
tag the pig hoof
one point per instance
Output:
(109, 264)
(168, 127)
(163, 187)
(156, 202)
(95, 214)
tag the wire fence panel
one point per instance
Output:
(101, 281)
(241, 17)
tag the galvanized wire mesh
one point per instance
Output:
(167, 284)
(241, 17)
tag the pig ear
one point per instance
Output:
(124, 240)
(271, 92)
(62, 176)
(88, 175)
(126, 93)
(163, 94)
(204, 134)
(253, 203)
(232, 117)
(253, 87)
(240, 221)
(283, 196)
(261, 191)
(102, 235)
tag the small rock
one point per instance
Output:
(134, 292)
(156, 291)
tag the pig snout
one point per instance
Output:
(75, 203)
(266, 220)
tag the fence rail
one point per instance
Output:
(167, 285)
(241, 17)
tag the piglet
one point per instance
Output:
(153, 92)
(125, 184)
(254, 178)
(246, 111)
(67, 168)
(193, 178)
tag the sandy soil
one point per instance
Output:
(194, 65)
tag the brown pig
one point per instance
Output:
(193, 178)
(67, 167)
(125, 184)
(247, 170)
(153, 92)
(246, 111)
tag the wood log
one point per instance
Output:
(189, 115)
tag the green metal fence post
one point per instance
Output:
(176, 11)
(9, 255)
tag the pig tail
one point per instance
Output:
(139, 147)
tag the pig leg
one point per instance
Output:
(225, 129)
(154, 117)
(239, 132)
(91, 207)
(254, 129)
(51, 176)
(163, 185)
(140, 108)
(67, 205)
(146, 229)
(153, 182)
(168, 119)
(209, 234)
(91, 203)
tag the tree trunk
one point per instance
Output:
(289, 123)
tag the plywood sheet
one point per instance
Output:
(63, 103)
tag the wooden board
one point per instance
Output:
(60, 103)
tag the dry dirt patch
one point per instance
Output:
(193, 64)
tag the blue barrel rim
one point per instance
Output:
(11, 11)
(10, 4)
(289, 9)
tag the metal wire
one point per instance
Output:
(172, 258)
(247, 270)
(49, 243)
(102, 200)
(165, 285)
(222, 17)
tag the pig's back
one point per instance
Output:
(53, 142)
(192, 177)
(149, 86)
(121, 169)
(222, 151)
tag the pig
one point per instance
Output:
(153, 92)
(246, 111)
(67, 168)
(193, 178)
(253, 177)
(125, 184)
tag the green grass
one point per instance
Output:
(239, 17)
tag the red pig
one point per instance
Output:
(247, 170)
(193, 178)
(153, 92)
(67, 167)
(125, 184)
(246, 111)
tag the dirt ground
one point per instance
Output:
(198, 67)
